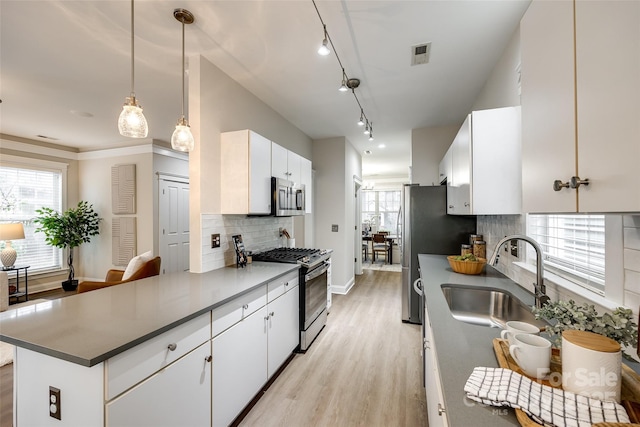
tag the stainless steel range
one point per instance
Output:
(314, 266)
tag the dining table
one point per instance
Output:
(391, 238)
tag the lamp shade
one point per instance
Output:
(11, 231)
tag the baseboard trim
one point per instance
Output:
(343, 290)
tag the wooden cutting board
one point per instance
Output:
(630, 393)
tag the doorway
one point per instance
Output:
(173, 221)
(357, 241)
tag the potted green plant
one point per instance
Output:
(68, 229)
(617, 325)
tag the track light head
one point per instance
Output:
(324, 48)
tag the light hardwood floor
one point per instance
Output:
(364, 369)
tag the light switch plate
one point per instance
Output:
(334, 228)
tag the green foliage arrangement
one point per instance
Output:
(564, 315)
(68, 229)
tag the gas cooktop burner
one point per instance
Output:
(289, 255)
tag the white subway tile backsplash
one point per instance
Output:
(632, 281)
(258, 233)
(632, 238)
(632, 260)
(631, 221)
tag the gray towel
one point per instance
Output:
(545, 405)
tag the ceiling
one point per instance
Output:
(66, 65)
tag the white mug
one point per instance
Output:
(532, 353)
(517, 327)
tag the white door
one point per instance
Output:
(173, 219)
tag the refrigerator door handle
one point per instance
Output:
(417, 286)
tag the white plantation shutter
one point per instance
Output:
(22, 191)
(573, 246)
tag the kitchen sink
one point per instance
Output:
(487, 306)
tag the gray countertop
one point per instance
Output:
(91, 327)
(461, 346)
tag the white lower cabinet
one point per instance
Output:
(178, 395)
(248, 353)
(283, 329)
(436, 410)
(239, 366)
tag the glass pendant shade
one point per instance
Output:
(132, 122)
(182, 139)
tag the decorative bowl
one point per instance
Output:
(466, 267)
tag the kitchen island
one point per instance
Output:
(97, 350)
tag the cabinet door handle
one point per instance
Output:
(559, 185)
(208, 359)
(266, 317)
(441, 409)
(272, 314)
(450, 206)
(467, 204)
(576, 182)
(172, 346)
(245, 307)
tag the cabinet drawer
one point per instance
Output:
(234, 311)
(134, 365)
(281, 285)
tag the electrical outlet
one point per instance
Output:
(215, 241)
(514, 248)
(54, 403)
(334, 228)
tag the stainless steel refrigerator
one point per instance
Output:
(425, 228)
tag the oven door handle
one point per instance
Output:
(317, 272)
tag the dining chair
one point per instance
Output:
(381, 244)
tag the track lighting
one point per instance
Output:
(182, 138)
(132, 122)
(347, 83)
(324, 49)
(343, 86)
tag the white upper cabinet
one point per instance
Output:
(445, 167)
(306, 178)
(580, 109)
(285, 164)
(485, 176)
(245, 173)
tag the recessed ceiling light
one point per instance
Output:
(367, 152)
(381, 145)
(81, 113)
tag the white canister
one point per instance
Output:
(291, 243)
(591, 365)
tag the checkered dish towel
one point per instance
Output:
(544, 404)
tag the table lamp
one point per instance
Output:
(9, 232)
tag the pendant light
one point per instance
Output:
(343, 87)
(132, 122)
(182, 139)
(361, 121)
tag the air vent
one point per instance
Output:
(420, 53)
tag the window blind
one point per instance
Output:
(573, 246)
(22, 191)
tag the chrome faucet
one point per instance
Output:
(540, 290)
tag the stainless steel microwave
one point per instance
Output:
(288, 197)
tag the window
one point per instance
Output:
(573, 246)
(23, 189)
(380, 209)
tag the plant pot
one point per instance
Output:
(70, 285)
